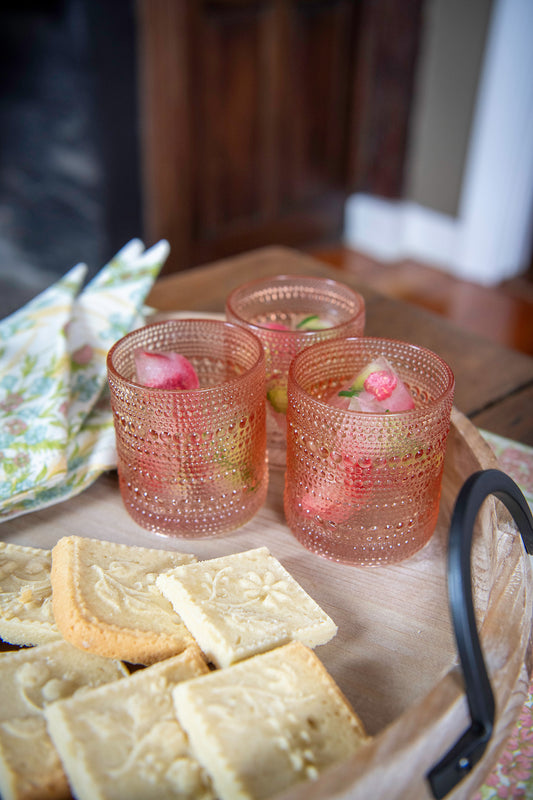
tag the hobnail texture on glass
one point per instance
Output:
(192, 463)
(364, 488)
(280, 300)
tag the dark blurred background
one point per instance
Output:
(69, 151)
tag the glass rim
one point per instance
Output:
(282, 278)
(220, 323)
(412, 412)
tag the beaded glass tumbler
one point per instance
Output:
(192, 463)
(289, 313)
(364, 488)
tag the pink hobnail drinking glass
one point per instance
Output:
(192, 463)
(364, 488)
(289, 313)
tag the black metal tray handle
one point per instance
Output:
(468, 750)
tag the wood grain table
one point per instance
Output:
(494, 385)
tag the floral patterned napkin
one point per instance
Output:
(56, 428)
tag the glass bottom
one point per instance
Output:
(367, 538)
(194, 518)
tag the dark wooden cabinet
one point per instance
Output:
(258, 118)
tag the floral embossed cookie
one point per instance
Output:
(242, 604)
(26, 615)
(30, 680)
(106, 602)
(267, 723)
(123, 739)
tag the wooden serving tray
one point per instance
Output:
(394, 655)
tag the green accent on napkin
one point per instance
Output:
(56, 427)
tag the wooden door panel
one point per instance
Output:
(229, 86)
(248, 122)
(270, 118)
(315, 100)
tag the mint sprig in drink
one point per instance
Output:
(376, 388)
(367, 424)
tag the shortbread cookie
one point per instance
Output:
(35, 676)
(239, 605)
(26, 615)
(105, 600)
(124, 740)
(30, 768)
(267, 723)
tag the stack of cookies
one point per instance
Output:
(231, 701)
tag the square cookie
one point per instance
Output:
(105, 600)
(26, 615)
(242, 604)
(30, 767)
(30, 679)
(124, 740)
(268, 723)
(35, 676)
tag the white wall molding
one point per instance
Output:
(490, 240)
(390, 230)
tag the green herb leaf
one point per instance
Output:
(307, 320)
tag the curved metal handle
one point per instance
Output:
(468, 750)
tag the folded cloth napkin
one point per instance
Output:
(56, 427)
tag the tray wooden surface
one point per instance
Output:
(394, 655)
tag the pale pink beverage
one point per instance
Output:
(289, 313)
(191, 461)
(363, 487)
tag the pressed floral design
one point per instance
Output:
(255, 588)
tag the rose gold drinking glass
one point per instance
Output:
(364, 488)
(192, 462)
(275, 309)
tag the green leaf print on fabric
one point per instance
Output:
(56, 428)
